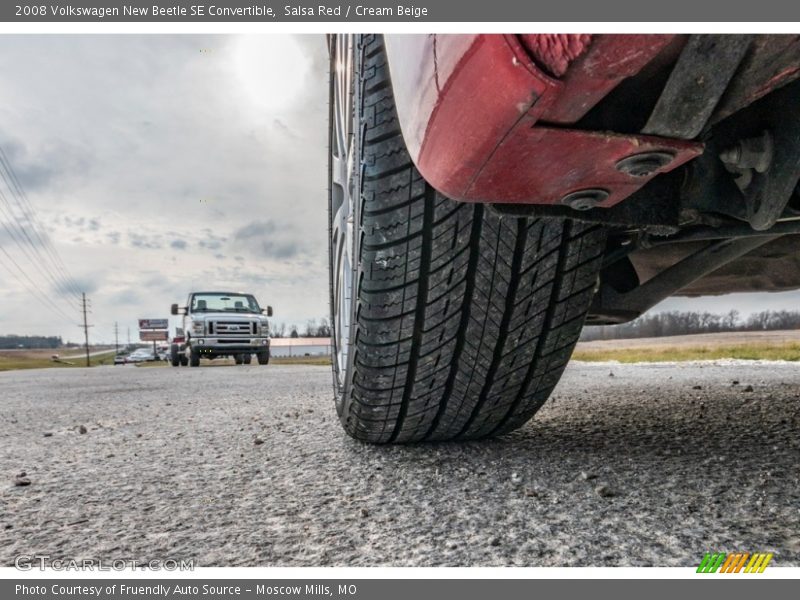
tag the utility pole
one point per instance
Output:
(116, 338)
(85, 328)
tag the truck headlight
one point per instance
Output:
(197, 327)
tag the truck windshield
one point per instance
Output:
(224, 303)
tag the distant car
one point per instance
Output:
(120, 359)
(141, 355)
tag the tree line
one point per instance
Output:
(690, 322)
(312, 329)
(10, 342)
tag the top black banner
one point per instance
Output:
(378, 11)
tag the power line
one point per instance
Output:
(59, 278)
(16, 240)
(30, 214)
(33, 288)
(41, 264)
(19, 196)
(36, 247)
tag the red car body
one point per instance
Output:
(529, 90)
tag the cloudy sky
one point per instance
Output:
(163, 164)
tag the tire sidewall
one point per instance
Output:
(342, 388)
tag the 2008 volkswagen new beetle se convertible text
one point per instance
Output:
(491, 194)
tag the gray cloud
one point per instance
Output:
(256, 229)
(87, 284)
(144, 241)
(269, 239)
(81, 224)
(39, 168)
(127, 297)
(279, 250)
(210, 244)
(178, 244)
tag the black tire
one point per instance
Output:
(174, 356)
(464, 319)
(237, 358)
(247, 358)
(263, 358)
(184, 360)
(194, 358)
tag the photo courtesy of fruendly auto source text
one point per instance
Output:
(386, 300)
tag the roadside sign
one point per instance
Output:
(153, 324)
(153, 336)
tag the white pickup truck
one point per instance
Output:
(221, 324)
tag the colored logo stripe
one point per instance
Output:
(711, 562)
(758, 563)
(733, 563)
(730, 563)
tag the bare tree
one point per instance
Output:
(311, 328)
(324, 329)
(730, 320)
(687, 323)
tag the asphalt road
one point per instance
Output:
(248, 466)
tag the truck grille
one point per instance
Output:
(231, 328)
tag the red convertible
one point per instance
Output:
(491, 194)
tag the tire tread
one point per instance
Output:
(465, 318)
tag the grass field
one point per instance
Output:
(301, 360)
(745, 351)
(11, 360)
(745, 346)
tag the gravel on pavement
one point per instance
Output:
(626, 465)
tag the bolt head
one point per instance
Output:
(585, 199)
(645, 163)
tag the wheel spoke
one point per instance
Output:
(343, 191)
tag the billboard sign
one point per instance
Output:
(153, 336)
(153, 324)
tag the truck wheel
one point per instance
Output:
(237, 358)
(450, 321)
(263, 358)
(247, 358)
(184, 360)
(194, 358)
(174, 357)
